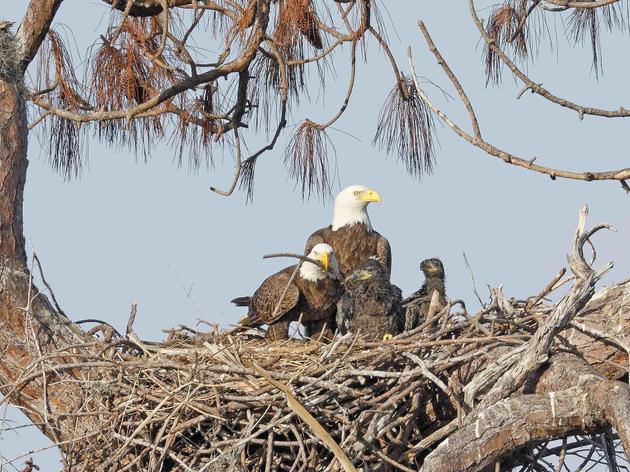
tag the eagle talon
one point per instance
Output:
(387, 337)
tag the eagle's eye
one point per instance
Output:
(357, 193)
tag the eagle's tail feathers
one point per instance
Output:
(241, 301)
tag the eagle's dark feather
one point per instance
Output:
(312, 301)
(371, 304)
(353, 245)
(417, 304)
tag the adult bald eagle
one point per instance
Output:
(312, 295)
(417, 304)
(371, 304)
(350, 234)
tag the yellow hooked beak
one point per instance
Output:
(361, 275)
(371, 196)
(324, 260)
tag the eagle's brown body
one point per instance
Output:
(353, 245)
(371, 305)
(417, 304)
(310, 301)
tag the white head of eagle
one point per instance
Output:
(323, 253)
(351, 206)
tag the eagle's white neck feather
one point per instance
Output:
(312, 272)
(348, 215)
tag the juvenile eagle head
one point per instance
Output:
(432, 268)
(368, 271)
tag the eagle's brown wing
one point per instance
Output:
(268, 294)
(315, 238)
(384, 253)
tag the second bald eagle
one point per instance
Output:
(312, 296)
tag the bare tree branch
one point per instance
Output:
(619, 175)
(537, 87)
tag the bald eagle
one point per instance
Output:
(417, 304)
(371, 304)
(350, 234)
(312, 295)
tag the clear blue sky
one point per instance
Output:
(129, 230)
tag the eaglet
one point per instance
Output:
(417, 304)
(371, 305)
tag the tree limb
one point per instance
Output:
(34, 27)
(619, 175)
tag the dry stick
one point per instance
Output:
(297, 256)
(309, 419)
(470, 271)
(618, 175)
(50, 290)
(600, 335)
(548, 288)
(269, 457)
(523, 20)
(132, 318)
(237, 174)
(38, 120)
(538, 348)
(563, 453)
(586, 4)
(146, 444)
(118, 30)
(282, 123)
(392, 61)
(344, 105)
(140, 427)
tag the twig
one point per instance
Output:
(50, 290)
(548, 288)
(472, 278)
(296, 256)
(132, 318)
(619, 175)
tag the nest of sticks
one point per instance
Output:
(220, 401)
(235, 402)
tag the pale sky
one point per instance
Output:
(130, 230)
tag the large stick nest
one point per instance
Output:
(203, 399)
(223, 401)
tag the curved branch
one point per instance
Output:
(236, 65)
(536, 87)
(453, 78)
(230, 191)
(296, 256)
(583, 4)
(344, 105)
(399, 79)
(619, 175)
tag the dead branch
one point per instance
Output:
(619, 175)
(537, 88)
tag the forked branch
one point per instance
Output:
(620, 175)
